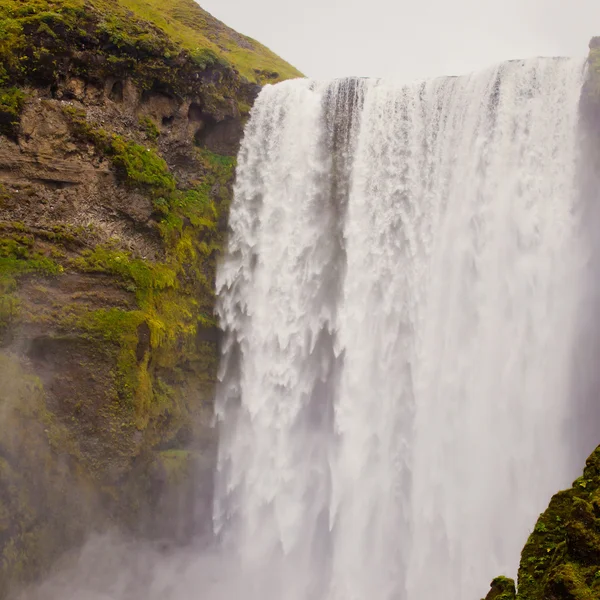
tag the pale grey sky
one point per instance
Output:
(411, 39)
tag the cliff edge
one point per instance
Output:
(120, 121)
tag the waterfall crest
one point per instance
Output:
(399, 302)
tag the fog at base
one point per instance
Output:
(402, 299)
(113, 567)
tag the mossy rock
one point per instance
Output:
(502, 588)
(12, 100)
(153, 41)
(561, 559)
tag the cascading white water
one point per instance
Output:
(399, 302)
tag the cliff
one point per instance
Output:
(561, 559)
(119, 124)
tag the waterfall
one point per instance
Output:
(399, 301)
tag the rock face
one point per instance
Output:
(117, 149)
(561, 560)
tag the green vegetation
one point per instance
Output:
(134, 35)
(141, 166)
(502, 588)
(150, 128)
(174, 296)
(20, 21)
(561, 560)
(17, 258)
(209, 41)
(138, 165)
(12, 100)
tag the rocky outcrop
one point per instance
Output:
(117, 148)
(561, 560)
(502, 588)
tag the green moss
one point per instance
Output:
(561, 559)
(209, 41)
(112, 324)
(502, 588)
(569, 581)
(167, 296)
(150, 128)
(64, 235)
(141, 166)
(146, 277)
(137, 36)
(12, 100)
(201, 207)
(18, 258)
(138, 165)
(44, 20)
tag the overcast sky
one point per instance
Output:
(411, 39)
